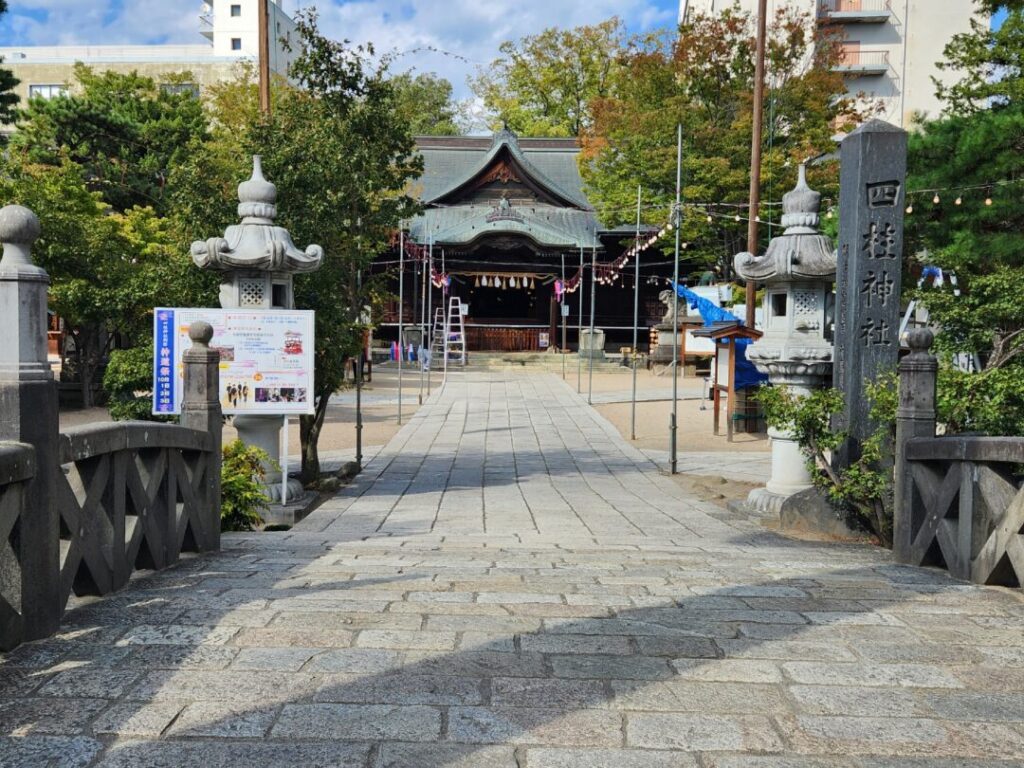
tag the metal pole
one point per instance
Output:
(264, 57)
(430, 311)
(401, 316)
(423, 314)
(579, 331)
(677, 218)
(755, 151)
(359, 378)
(445, 319)
(636, 311)
(593, 295)
(561, 311)
(284, 463)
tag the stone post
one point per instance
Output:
(873, 167)
(914, 418)
(28, 414)
(200, 410)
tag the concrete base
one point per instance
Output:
(296, 510)
(295, 490)
(764, 502)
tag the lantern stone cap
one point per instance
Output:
(801, 252)
(256, 243)
(19, 229)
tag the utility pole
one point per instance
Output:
(264, 68)
(755, 151)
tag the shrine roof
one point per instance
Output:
(451, 161)
(545, 225)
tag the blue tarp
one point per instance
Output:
(746, 374)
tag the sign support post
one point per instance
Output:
(284, 463)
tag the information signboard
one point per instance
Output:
(266, 359)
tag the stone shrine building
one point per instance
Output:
(501, 214)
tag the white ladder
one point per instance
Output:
(455, 340)
(437, 334)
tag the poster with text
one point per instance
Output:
(266, 359)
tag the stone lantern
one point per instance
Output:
(258, 261)
(798, 271)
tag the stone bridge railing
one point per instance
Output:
(79, 512)
(959, 501)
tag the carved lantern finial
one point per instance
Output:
(256, 243)
(801, 251)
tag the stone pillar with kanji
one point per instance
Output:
(871, 198)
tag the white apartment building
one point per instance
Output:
(890, 47)
(230, 29)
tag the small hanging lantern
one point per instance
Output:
(476, 284)
(512, 282)
(531, 284)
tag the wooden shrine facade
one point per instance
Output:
(504, 219)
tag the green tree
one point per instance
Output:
(425, 103)
(989, 62)
(125, 130)
(107, 270)
(348, 196)
(544, 84)
(8, 98)
(975, 153)
(702, 79)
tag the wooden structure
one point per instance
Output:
(725, 335)
(959, 503)
(501, 216)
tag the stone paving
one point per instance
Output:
(510, 584)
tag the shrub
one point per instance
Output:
(864, 488)
(128, 381)
(241, 487)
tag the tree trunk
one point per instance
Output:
(83, 342)
(309, 435)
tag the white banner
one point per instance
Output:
(266, 358)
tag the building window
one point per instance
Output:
(190, 89)
(236, 10)
(236, 43)
(47, 91)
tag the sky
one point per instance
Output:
(465, 33)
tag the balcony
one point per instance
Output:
(859, 63)
(854, 11)
(206, 26)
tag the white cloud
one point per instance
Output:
(449, 37)
(466, 33)
(80, 22)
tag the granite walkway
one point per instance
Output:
(511, 585)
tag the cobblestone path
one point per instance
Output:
(511, 584)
